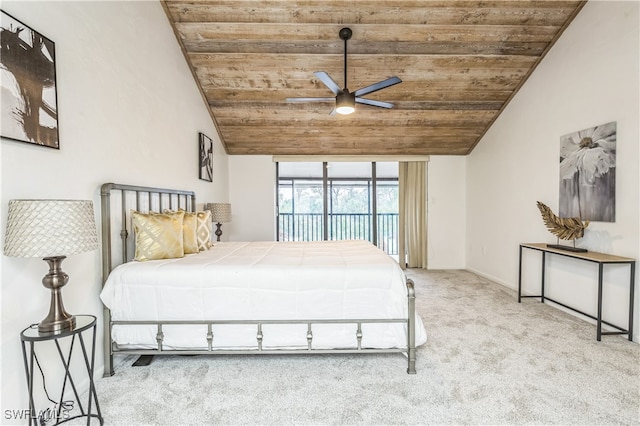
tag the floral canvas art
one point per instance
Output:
(588, 174)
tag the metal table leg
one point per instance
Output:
(520, 275)
(599, 318)
(544, 260)
(632, 272)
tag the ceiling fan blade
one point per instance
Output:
(328, 81)
(300, 100)
(378, 86)
(374, 103)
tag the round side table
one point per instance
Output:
(31, 336)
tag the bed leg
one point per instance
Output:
(411, 328)
(108, 349)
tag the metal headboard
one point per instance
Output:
(139, 198)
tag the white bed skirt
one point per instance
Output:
(263, 281)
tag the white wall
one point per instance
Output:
(129, 112)
(446, 212)
(590, 77)
(252, 193)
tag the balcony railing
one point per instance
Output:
(342, 226)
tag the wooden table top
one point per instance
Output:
(592, 256)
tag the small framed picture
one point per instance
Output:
(206, 158)
(29, 96)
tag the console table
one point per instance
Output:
(601, 259)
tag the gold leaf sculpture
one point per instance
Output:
(565, 228)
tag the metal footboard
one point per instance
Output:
(145, 199)
(160, 349)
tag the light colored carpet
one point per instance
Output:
(488, 360)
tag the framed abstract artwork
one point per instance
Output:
(206, 158)
(28, 83)
(588, 173)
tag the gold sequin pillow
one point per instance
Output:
(189, 228)
(204, 230)
(158, 235)
(196, 230)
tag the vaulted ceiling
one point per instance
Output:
(460, 63)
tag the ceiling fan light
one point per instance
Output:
(344, 110)
(345, 103)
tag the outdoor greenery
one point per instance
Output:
(350, 212)
(350, 204)
(346, 197)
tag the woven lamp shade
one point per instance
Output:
(220, 212)
(48, 228)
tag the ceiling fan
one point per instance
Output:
(345, 100)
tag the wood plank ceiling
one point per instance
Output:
(460, 63)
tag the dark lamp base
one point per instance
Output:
(567, 248)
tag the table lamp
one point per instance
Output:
(220, 213)
(51, 229)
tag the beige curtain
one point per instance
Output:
(412, 233)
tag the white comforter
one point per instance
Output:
(263, 281)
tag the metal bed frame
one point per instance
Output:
(147, 198)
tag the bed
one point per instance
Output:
(260, 297)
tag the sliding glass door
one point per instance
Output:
(300, 205)
(386, 200)
(338, 201)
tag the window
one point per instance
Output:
(338, 201)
